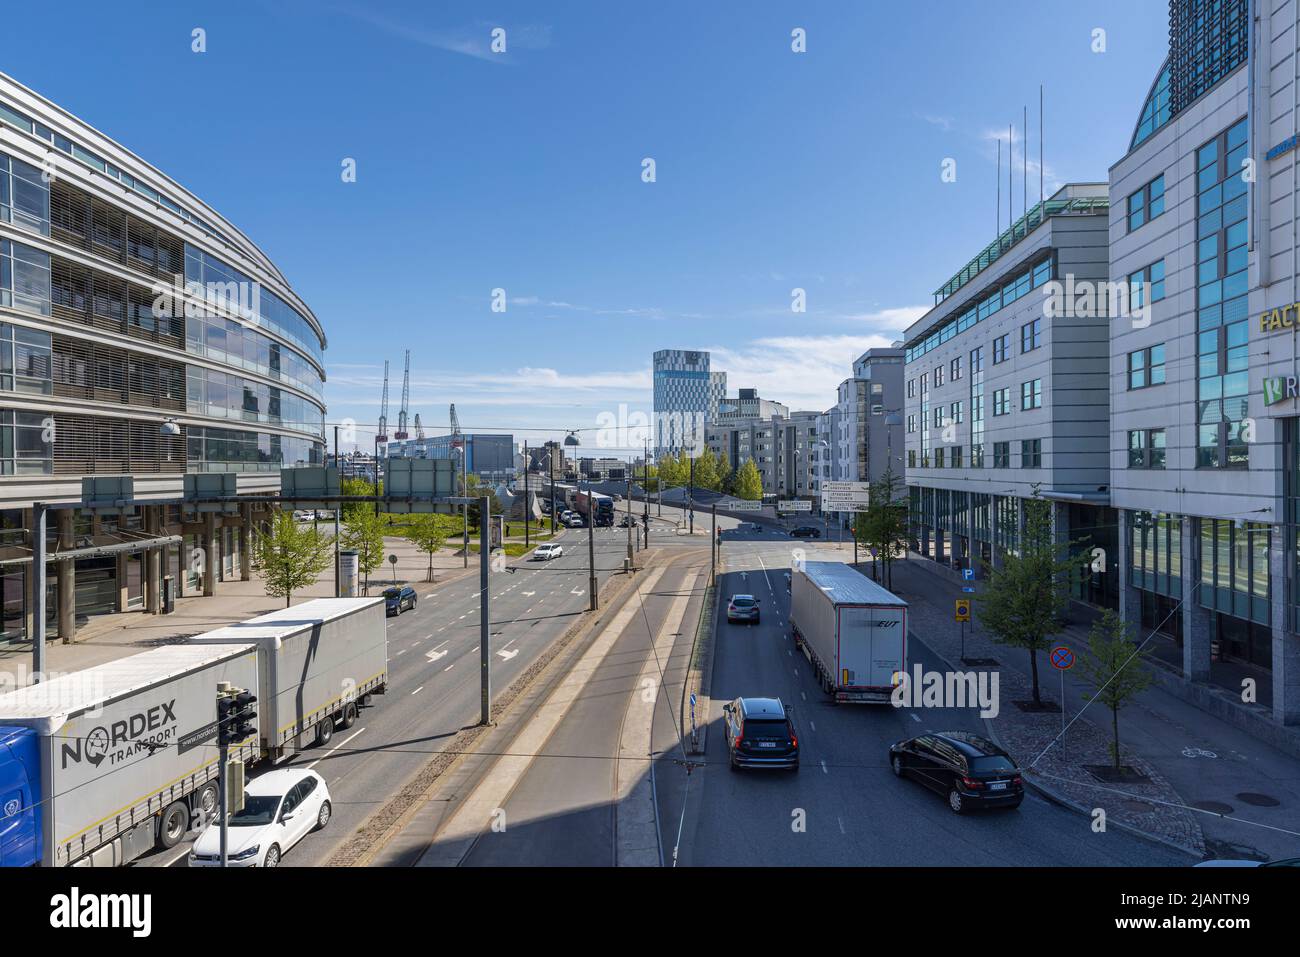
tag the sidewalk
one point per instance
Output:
(1201, 766)
(109, 637)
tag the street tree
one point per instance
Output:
(726, 474)
(1115, 669)
(364, 534)
(289, 556)
(428, 535)
(706, 471)
(1025, 599)
(749, 484)
(883, 526)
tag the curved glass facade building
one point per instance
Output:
(141, 334)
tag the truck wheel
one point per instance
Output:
(205, 804)
(325, 731)
(172, 824)
(349, 716)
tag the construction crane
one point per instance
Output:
(401, 432)
(419, 429)
(457, 440)
(383, 409)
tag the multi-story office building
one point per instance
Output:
(1007, 394)
(687, 394)
(1205, 440)
(142, 335)
(490, 456)
(747, 405)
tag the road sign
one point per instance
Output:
(793, 505)
(741, 505)
(968, 573)
(962, 610)
(392, 559)
(970, 590)
(1062, 658)
(845, 496)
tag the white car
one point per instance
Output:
(280, 809)
(302, 515)
(547, 551)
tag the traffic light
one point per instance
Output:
(244, 715)
(225, 718)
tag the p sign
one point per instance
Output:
(962, 610)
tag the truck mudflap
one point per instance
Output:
(864, 695)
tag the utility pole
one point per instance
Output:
(484, 610)
(38, 591)
(464, 490)
(714, 549)
(528, 513)
(645, 493)
(690, 496)
(630, 522)
(591, 553)
(550, 461)
(337, 509)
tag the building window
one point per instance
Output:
(1001, 401)
(24, 196)
(938, 457)
(925, 383)
(911, 423)
(957, 413)
(956, 456)
(911, 458)
(1147, 203)
(1031, 453)
(1031, 335)
(1001, 346)
(1031, 394)
(977, 360)
(24, 277)
(25, 448)
(25, 364)
(1146, 449)
(938, 376)
(977, 456)
(1002, 455)
(954, 369)
(911, 388)
(1152, 277)
(1146, 367)
(1221, 299)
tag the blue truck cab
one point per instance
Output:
(20, 797)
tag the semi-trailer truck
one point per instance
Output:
(595, 507)
(100, 766)
(852, 631)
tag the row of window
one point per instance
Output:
(24, 197)
(218, 394)
(1031, 456)
(231, 450)
(1013, 289)
(227, 341)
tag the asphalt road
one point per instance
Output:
(852, 810)
(433, 691)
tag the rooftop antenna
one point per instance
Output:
(1011, 184)
(1040, 144)
(1024, 174)
(999, 232)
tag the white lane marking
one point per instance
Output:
(335, 748)
(449, 667)
(824, 771)
(813, 725)
(528, 594)
(803, 695)
(402, 652)
(507, 655)
(435, 656)
(418, 690)
(841, 820)
(434, 595)
(576, 591)
(914, 716)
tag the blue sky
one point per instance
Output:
(522, 171)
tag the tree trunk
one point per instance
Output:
(288, 598)
(429, 576)
(1033, 668)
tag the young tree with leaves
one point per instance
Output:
(1115, 669)
(1025, 599)
(290, 557)
(883, 526)
(726, 475)
(364, 534)
(749, 483)
(428, 535)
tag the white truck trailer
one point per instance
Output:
(852, 630)
(99, 766)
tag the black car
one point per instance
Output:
(972, 771)
(805, 531)
(398, 600)
(760, 734)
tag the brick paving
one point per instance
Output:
(1152, 807)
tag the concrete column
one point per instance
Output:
(1130, 598)
(1197, 621)
(246, 542)
(67, 577)
(153, 562)
(29, 580)
(120, 604)
(211, 554)
(1286, 644)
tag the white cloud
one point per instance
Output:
(472, 41)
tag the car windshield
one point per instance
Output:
(258, 809)
(392, 593)
(766, 728)
(991, 762)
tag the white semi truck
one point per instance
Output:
(852, 630)
(100, 766)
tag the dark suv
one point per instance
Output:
(972, 771)
(805, 531)
(760, 734)
(398, 600)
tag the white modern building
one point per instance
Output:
(687, 396)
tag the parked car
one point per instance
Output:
(743, 608)
(398, 600)
(302, 515)
(972, 771)
(280, 809)
(627, 522)
(805, 531)
(760, 734)
(546, 551)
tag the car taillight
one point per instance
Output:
(794, 739)
(1016, 781)
(972, 784)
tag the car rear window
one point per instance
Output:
(991, 762)
(766, 728)
(742, 602)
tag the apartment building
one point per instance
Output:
(1007, 392)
